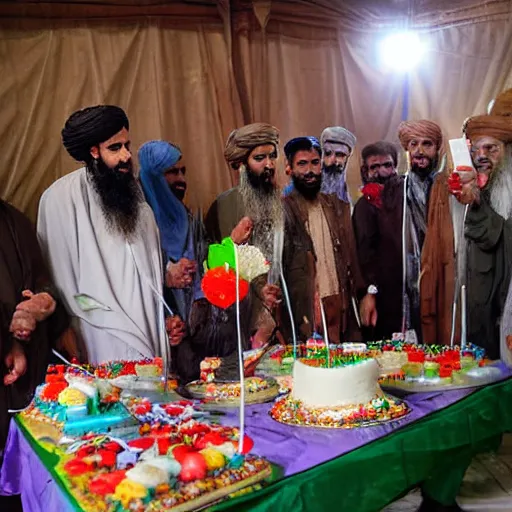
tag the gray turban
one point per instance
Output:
(338, 135)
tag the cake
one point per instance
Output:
(336, 387)
(341, 393)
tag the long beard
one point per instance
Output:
(120, 196)
(500, 186)
(264, 208)
(333, 181)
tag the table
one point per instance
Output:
(360, 470)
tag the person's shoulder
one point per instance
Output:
(65, 183)
(227, 195)
(334, 202)
(16, 215)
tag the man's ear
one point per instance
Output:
(95, 152)
(288, 168)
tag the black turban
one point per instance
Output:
(91, 126)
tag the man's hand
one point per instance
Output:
(465, 184)
(181, 274)
(175, 328)
(271, 296)
(39, 305)
(22, 325)
(242, 231)
(368, 310)
(16, 363)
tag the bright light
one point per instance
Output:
(402, 51)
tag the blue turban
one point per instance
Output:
(155, 157)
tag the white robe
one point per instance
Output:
(103, 279)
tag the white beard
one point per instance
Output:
(266, 212)
(501, 187)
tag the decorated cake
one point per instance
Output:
(426, 367)
(257, 390)
(341, 392)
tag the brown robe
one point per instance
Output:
(339, 311)
(438, 268)
(378, 233)
(21, 268)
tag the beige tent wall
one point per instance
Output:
(192, 73)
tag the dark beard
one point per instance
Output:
(261, 182)
(424, 172)
(120, 195)
(308, 190)
(333, 169)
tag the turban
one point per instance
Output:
(243, 140)
(502, 104)
(91, 126)
(338, 135)
(499, 127)
(408, 130)
(155, 157)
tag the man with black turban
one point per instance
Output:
(102, 244)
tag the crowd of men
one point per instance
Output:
(115, 270)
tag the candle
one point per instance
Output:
(463, 333)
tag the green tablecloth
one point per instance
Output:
(433, 452)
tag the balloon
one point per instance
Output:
(219, 287)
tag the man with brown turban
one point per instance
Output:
(488, 225)
(252, 212)
(101, 242)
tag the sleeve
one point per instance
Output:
(298, 269)
(483, 225)
(211, 224)
(366, 235)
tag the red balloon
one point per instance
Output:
(219, 287)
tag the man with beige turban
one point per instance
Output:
(252, 212)
(337, 143)
(487, 190)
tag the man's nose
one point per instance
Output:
(269, 163)
(125, 154)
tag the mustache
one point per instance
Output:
(334, 169)
(124, 165)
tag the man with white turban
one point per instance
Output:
(101, 242)
(337, 144)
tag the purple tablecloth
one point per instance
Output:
(294, 448)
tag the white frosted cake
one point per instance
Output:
(336, 387)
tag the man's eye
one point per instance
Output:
(316, 161)
(328, 153)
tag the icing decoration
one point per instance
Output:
(193, 467)
(214, 459)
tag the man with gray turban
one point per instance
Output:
(101, 242)
(337, 146)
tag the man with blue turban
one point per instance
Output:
(162, 174)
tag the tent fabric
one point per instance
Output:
(189, 72)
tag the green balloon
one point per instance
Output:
(220, 254)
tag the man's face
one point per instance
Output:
(261, 167)
(423, 151)
(175, 177)
(115, 152)
(335, 157)
(487, 154)
(379, 168)
(306, 172)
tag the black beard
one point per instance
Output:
(179, 192)
(333, 169)
(120, 195)
(424, 172)
(261, 182)
(307, 190)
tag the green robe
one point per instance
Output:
(489, 269)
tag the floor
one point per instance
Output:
(487, 485)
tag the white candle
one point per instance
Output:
(463, 333)
(326, 335)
